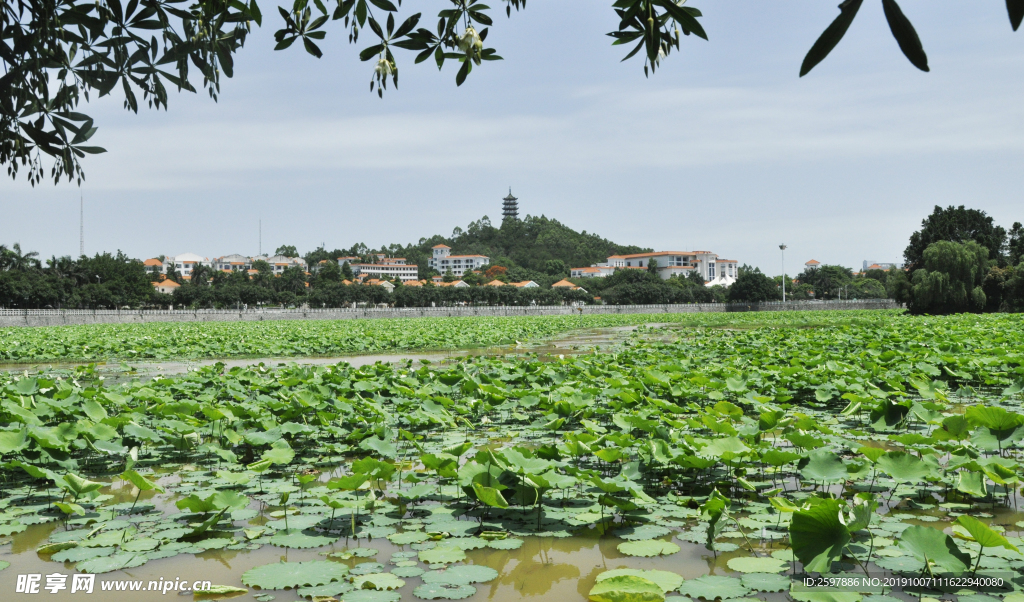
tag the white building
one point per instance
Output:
(442, 261)
(232, 263)
(389, 267)
(279, 263)
(667, 264)
(184, 263)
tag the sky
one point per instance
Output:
(724, 149)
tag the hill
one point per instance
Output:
(534, 248)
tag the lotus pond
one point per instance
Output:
(711, 457)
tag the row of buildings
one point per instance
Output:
(713, 269)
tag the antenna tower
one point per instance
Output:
(81, 225)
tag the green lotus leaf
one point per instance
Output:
(442, 555)
(443, 591)
(219, 590)
(711, 587)
(301, 539)
(983, 534)
(823, 466)
(408, 537)
(280, 575)
(750, 564)
(80, 553)
(765, 582)
(626, 588)
(407, 572)
(505, 544)
(333, 589)
(641, 532)
(370, 595)
(378, 581)
(648, 548)
(818, 535)
(934, 547)
(666, 580)
(462, 574)
(904, 467)
(115, 562)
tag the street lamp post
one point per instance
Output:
(783, 249)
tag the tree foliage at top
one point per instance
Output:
(753, 287)
(950, 279)
(955, 224)
(57, 53)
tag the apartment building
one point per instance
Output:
(386, 267)
(713, 269)
(442, 260)
(232, 263)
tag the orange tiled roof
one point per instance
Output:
(152, 262)
(441, 247)
(563, 283)
(813, 262)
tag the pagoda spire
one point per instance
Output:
(510, 206)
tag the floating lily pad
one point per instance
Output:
(333, 589)
(463, 574)
(749, 564)
(441, 555)
(443, 591)
(79, 554)
(711, 587)
(641, 532)
(648, 548)
(666, 580)
(370, 595)
(407, 572)
(408, 537)
(765, 582)
(301, 539)
(378, 581)
(505, 544)
(114, 562)
(366, 568)
(282, 575)
(626, 588)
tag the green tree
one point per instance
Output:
(556, 267)
(754, 287)
(955, 224)
(56, 53)
(950, 279)
(346, 272)
(327, 272)
(1015, 244)
(449, 276)
(287, 251)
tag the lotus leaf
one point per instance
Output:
(626, 588)
(711, 587)
(281, 575)
(648, 548)
(443, 591)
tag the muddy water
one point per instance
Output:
(544, 568)
(577, 342)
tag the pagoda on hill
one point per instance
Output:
(510, 206)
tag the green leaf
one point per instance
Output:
(279, 453)
(490, 496)
(818, 536)
(626, 588)
(666, 580)
(1015, 8)
(905, 34)
(934, 547)
(983, 534)
(824, 466)
(904, 467)
(648, 548)
(140, 481)
(831, 36)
